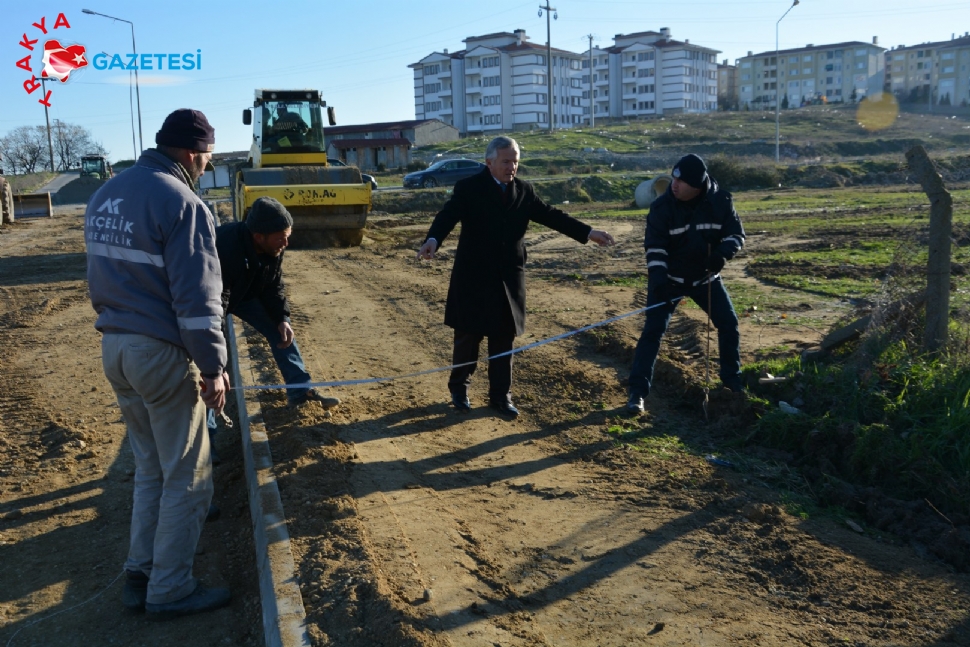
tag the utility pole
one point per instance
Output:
(592, 119)
(549, 10)
(50, 142)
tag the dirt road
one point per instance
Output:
(413, 524)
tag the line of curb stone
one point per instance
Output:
(284, 618)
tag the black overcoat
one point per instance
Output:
(488, 279)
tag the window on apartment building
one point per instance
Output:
(807, 70)
(947, 56)
(828, 80)
(586, 94)
(807, 58)
(838, 92)
(746, 65)
(948, 69)
(793, 59)
(541, 59)
(431, 88)
(541, 99)
(899, 57)
(860, 65)
(829, 67)
(431, 69)
(860, 52)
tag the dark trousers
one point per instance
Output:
(499, 370)
(723, 317)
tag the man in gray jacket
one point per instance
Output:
(155, 282)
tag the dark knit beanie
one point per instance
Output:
(268, 216)
(188, 129)
(692, 170)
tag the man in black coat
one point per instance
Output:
(251, 256)
(692, 230)
(486, 297)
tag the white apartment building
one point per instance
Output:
(943, 67)
(833, 73)
(498, 82)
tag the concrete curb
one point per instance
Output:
(284, 618)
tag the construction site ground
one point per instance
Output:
(413, 524)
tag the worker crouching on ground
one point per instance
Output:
(486, 297)
(692, 230)
(251, 257)
(154, 280)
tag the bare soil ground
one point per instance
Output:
(413, 524)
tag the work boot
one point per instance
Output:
(135, 591)
(200, 600)
(312, 394)
(634, 406)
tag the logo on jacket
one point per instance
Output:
(57, 62)
(111, 206)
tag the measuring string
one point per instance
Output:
(373, 380)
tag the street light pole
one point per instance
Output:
(777, 97)
(134, 51)
(549, 97)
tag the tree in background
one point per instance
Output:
(25, 148)
(71, 142)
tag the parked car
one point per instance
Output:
(442, 173)
(367, 178)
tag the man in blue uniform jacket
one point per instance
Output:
(692, 230)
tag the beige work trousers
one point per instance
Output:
(157, 386)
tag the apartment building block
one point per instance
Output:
(838, 72)
(727, 86)
(936, 73)
(499, 82)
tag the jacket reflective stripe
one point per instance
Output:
(675, 232)
(200, 323)
(657, 250)
(708, 225)
(123, 254)
(656, 264)
(703, 281)
(736, 239)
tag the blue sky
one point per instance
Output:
(357, 53)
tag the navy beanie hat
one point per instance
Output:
(268, 216)
(692, 170)
(188, 129)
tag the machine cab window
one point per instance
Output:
(292, 127)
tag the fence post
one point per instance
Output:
(938, 265)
